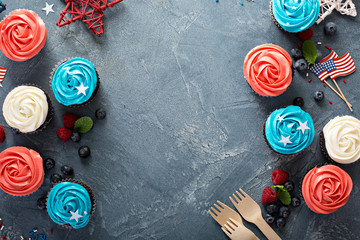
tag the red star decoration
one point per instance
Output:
(88, 11)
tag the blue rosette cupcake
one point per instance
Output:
(288, 131)
(70, 204)
(74, 82)
(294, 16)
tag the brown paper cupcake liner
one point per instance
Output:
(92, 199)
(93, 94)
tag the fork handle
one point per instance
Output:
(266, 229)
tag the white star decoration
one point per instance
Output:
(75, 215)
(285, 140)
(48, 8)
(81, 89)
(303, 127)
(85, 212)
(280, 118)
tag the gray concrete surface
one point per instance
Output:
(183, 128)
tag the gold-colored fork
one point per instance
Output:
(236, 231)
(223, 213)
(251, 212)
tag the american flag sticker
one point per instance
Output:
(2, 74)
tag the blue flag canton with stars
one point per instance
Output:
(317, 69)
(329, 65)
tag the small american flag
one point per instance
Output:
(340, 66)
(319, 70)
(2, 74)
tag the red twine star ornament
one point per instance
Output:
(88, 11)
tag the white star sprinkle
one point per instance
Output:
(303, 127)
(285, 140)
(85, 212)
(75, 215)
(81, 89)
(48, 8)
(280, 118)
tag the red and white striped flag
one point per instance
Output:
(319, 70)
(2, 74)
(340, 66)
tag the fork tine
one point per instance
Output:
(231, 224)
(218, 207)
(240, 196)
(213, 215)
(227, 226)
(232, 200)
(244, 193)
(237, 199)
(215, 211)
(222, 205)
(234, 222)
(226, 232)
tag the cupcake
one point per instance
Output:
(267, 69)
(27, 109)
(340, 139)
(289, 130)
(294, 16)
(70, 203)
(75, 82)
(325, 189)
(21, 171)
(22, 35)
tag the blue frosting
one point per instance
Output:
(65, 200)
(296, 130)
(70, 75)
(296, 15)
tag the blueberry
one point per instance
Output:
(41, 203)
(67, 170)
(330, 28)
(280, 222)
(299, 101)
(272, 208)
(100, 114)
(319, 55)
(301, 65)
(289, 185)
(295, 202)
(75, 137)
(84, 151)
(284, 212)
(49, 163)
(55, 178)
(296, 53)
(269, 218)
(319, 96)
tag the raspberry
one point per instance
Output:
(306, 34)
(268, 196)
(64, 134)
(2, 134)
(69, 120)
(279, 176)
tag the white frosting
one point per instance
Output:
(25, 108)
(342, 139)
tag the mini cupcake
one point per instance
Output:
(289, 130)
(22, 35)
(27, 109)
(267, 69)
(71, 203)
(21, 171)
(294, 16)
(325, 189)
(340, 139)
(75, 82)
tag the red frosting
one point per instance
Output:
(267, 69)
(21, 171)
(22, 35)
(327, 188)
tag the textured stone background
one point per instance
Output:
(183, 128)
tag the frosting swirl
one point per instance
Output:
(74, 81)
(25, 108)
(69, 203)
(326, 189)
(289, 130)
(22, 35)
(267, 69)
(21, 171)
(296, 16)
(342, 139)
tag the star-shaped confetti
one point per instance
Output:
(48, 8)
(303, 127)
(75, 215)
(88, 11)
(285, 140)
(280, 118)
(81, 89)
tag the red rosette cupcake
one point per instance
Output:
(267, 69)
(327, 188)
(21, 171)
(22, 35)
